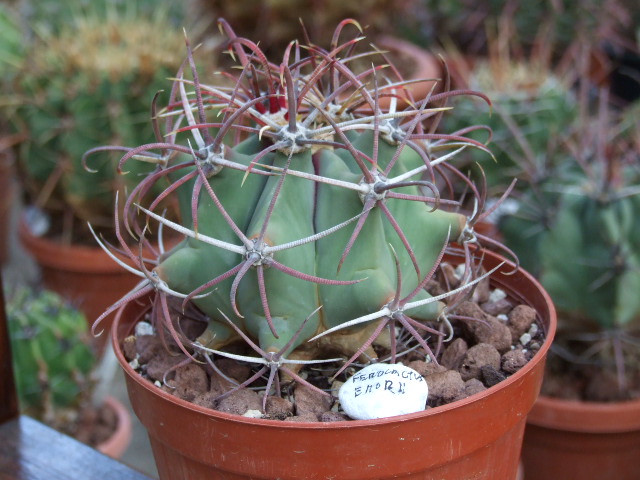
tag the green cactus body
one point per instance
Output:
(299, 212)
(192, 263)
(426, 232)
(289, 298)
(370, 258)
(528, 103)
(12, 52)
(604, 259)
(582, 241)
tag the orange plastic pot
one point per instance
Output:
(479, 437)
(416, 64)
(117, 443)
(573, 440)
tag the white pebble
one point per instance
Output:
(144, 329)
(496, 295)
(253, 414)
(381, 390)
(503, 318)
(525, 338)
(533, 330)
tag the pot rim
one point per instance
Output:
(55, 254)
(118, 442)
(580, 416)
(493, 260)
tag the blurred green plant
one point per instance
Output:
(11, 47)
(568, 23)
(529, 99)
(12, 57)
(577, 229)
(91, 80)
(52, 358)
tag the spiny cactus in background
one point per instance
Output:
(529, 99)
(91, 82)
(311, 216)
(578, 230)
(567, 23)
(52, 357)
(50, 16)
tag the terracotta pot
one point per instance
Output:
(478, 437)
(86, 276)
(573, 440)
(116, 445)
(414, 63)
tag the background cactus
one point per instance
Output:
(89, 80)
(465, 21)
(577, 230)
(307, 209)
(52, 357)
(529, 96)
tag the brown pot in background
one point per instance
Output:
(573, 440)
(414, 63)
(479, 437)
(116, 445)
(85, 276)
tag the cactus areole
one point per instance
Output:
(311, 217)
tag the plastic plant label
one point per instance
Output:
(381, 390)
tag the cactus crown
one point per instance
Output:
(312, 216)
(52, 357)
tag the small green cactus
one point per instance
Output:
(52, 358)
(87, 82)
(311, 215)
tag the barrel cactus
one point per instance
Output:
(311, 216)
(52, 356)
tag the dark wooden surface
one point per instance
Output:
(30, 450)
